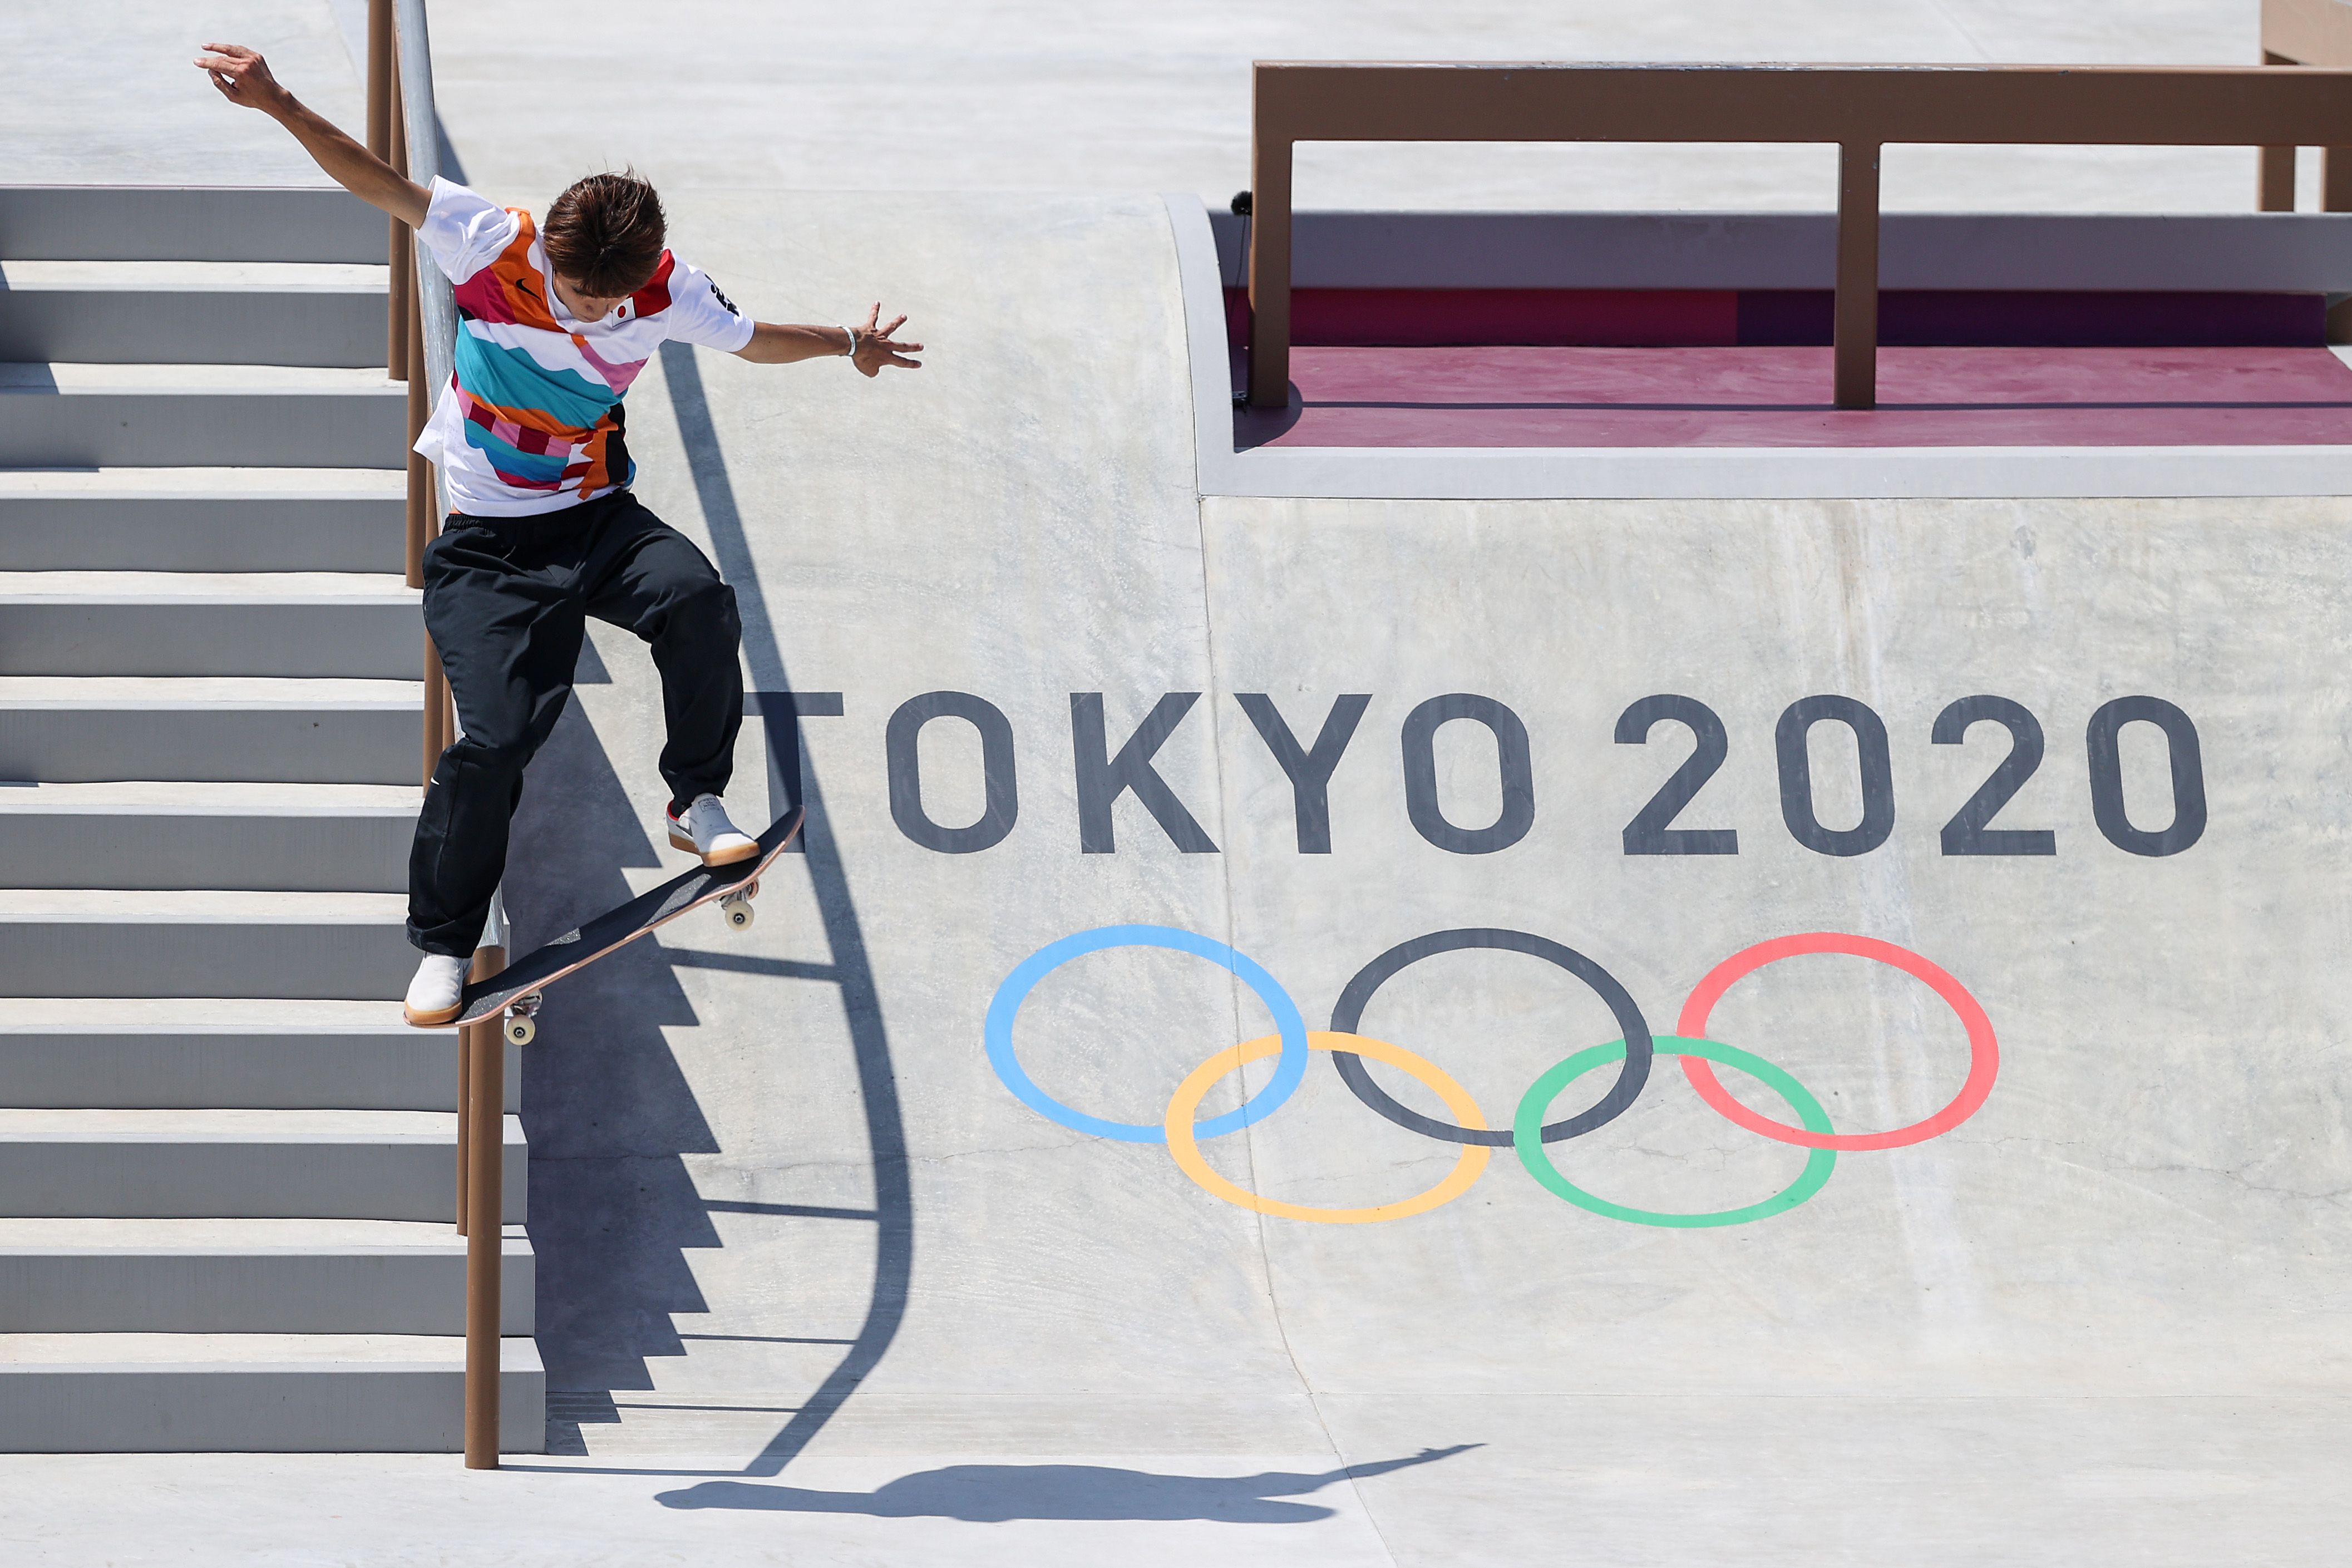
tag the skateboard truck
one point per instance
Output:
(736, 906)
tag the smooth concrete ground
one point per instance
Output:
(816, 1289)
(920, 96)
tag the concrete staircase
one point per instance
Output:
(227, 1168)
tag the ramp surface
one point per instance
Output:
(789, 1212)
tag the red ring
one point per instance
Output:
(1984, 1052)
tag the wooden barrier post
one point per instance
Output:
(385, 141)
(487, 961)
(484, 1111)
(1855, 309)
(2274, 178)
(421, 521)
(1269, 261)
(401, 353)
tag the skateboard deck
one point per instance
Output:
(615, 928)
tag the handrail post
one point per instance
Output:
(1269, 257)
(380, 88)
(384, 140)
(484, 1112)
(1855, 312)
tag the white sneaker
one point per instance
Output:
(434, 997)
(705, 830)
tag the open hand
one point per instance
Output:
(242, 76)
(876, 348)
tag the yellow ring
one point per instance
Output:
(1187, 1151)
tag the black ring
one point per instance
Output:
(1620, 1098)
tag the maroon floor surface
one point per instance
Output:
(1780, 397)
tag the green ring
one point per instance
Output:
(1526, 1130)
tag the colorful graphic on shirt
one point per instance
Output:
(533, 419)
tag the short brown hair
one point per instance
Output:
(604, 235)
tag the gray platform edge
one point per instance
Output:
(104, 1408)
(394, 1069)
(145, 850)
(131, 427)
(226, 223)
(338, 636)
(187, 956)
(2251, 252)
(358, 1177)
(260, 531)
(324, 743)
(1701, 473)
(388, 1290)
(256, 324)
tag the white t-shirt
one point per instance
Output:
(531, 420)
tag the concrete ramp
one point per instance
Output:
(1502, 786)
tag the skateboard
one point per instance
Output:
(515, 990)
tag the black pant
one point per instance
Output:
(506, 601)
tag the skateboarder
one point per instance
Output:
(556, 318)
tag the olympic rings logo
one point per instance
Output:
(1633, 1052)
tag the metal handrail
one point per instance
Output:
(1858, 109)
(437, 303)
(404, 127)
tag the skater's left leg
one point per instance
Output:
(647, 576)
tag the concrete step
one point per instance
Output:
(247, 1276)
(203, 520)
(255, 836)
(353, 624)
(90, 415)
(109, 1052)
(109, 941)
(239, 1165)
(193, 313)
(256, 1392)
(89, 728)
(190, 223)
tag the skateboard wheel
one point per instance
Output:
(520, 1029)
(739, 916)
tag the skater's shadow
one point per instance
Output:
(994, 1494)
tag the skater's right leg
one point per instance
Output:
(502, 604)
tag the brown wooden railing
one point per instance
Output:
(1857, 109)
(403, 129)
(2306, 33)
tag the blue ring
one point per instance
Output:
(1289, 1067)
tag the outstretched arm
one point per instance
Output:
(243, 79)
(870, 347)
